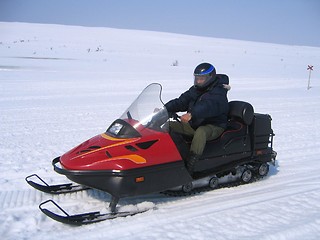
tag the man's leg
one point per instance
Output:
(182, 128)
(201, 136)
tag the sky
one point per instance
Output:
(290, 22)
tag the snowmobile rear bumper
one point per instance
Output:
(126, 183)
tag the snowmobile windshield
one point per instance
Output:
(147, 111)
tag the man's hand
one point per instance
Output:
(185, 117)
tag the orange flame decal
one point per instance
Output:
(133, 158)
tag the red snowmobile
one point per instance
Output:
(138, 154)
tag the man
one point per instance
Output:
(206, 107)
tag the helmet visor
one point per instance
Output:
(201, 80)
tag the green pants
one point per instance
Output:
(200, 136)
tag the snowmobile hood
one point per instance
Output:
(95, 152)
(104, 152)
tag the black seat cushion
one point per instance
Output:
(241, 111)
(234, 129)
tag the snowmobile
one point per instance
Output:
(138, 154)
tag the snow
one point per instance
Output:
(60, 85)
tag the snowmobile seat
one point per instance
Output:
(234, 129)
(240, 117)
(241, 111)
(235, 137)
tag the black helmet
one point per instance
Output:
(204, 75)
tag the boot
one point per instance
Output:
(191, 161)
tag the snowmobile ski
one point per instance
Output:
(54, 189)
(84, 218)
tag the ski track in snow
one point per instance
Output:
(50, 106)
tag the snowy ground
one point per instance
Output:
(61, 85)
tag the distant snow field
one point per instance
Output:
(60, 85)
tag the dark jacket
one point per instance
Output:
(209, 106)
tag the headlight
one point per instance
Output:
(115, 128)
